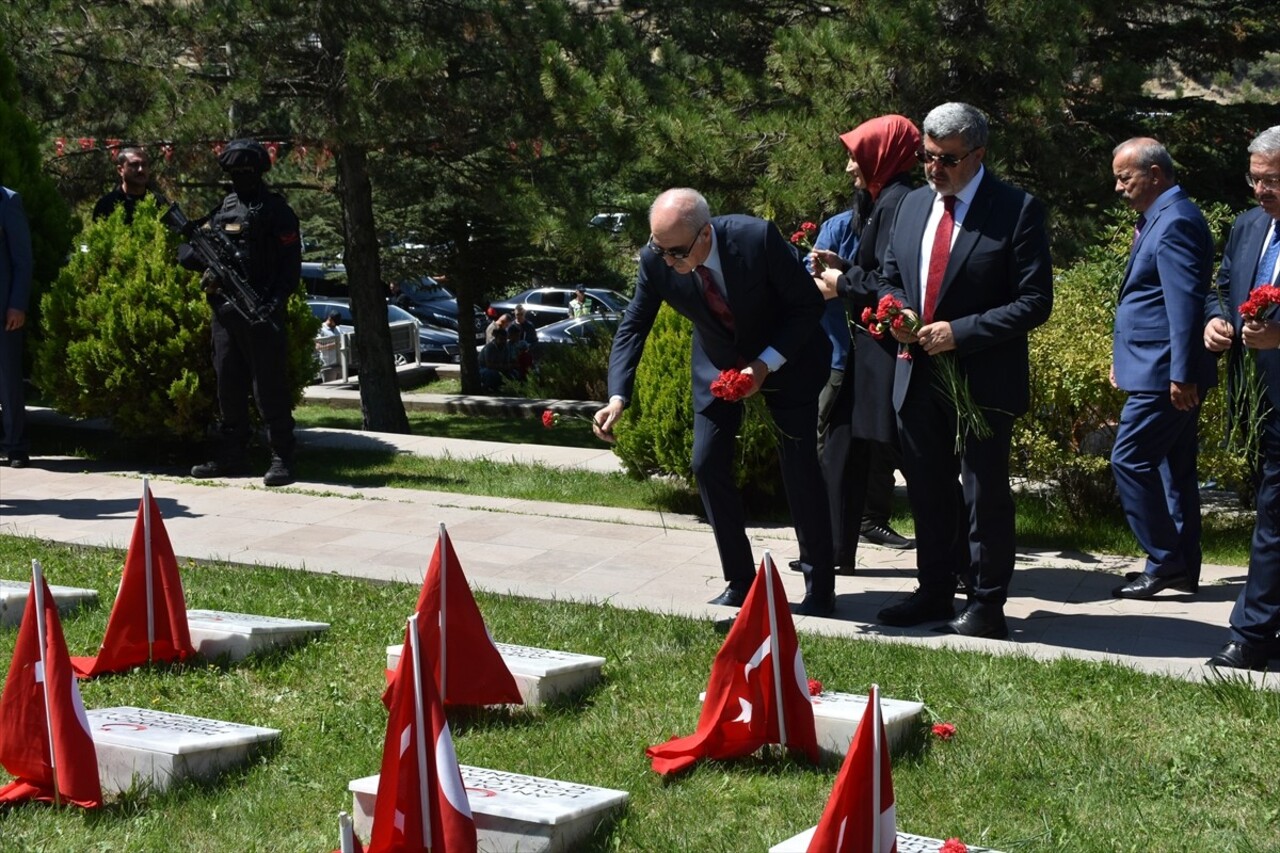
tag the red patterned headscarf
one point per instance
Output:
(883, 148)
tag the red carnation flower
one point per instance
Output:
(945, 731)
(953, 845)
(732, 385)
(550, 418)
(815, 687)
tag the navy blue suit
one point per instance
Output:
(1255, 618)
(998, 286)
(15, 291)
(1159, 339)
(774, 303)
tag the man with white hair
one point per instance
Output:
(753, 306)
(969, 259)
(1251, 260)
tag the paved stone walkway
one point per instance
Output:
(1060, 603)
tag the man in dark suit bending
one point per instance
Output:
(969, 257)
(753, 307)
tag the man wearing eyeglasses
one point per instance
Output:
(1159, 360)
(753, 307)
(1250, 261)
(968, 259)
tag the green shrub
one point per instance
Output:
(126, 334)
(655, 434)
(567, 372)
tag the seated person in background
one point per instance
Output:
(501, 321)
(530, 331)
(327, 342)
(495, 361)
(396, 296)
(520, 352)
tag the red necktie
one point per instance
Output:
(715, 301)
(939, 256)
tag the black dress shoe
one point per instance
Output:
(916, 609)
(731, 597)
(884, 535)
(815, 604)
(19, 460)
(1240, 656)
(796, 566)
(978, 622)
(1146, 586)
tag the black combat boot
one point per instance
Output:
(281, 471)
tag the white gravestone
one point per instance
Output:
(156, 748)
(836, 717)
(13, 600)
(907, 843)
(515, 813)
(238, 635)
(541, 674)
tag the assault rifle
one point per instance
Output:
(220, 256)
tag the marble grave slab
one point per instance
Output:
(541, 674)
(515, 813)
(13, 600)
(907, 843)
(836, 717)
(157, 748)
(215, 633)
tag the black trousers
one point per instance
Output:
(252, 358)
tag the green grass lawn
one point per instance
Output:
(1067, 756)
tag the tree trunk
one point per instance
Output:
(380, 401)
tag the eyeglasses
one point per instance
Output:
(949, 161)
(1262, 181)
(676, 254)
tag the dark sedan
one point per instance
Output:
(593, 327)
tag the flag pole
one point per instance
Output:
(419, 723)
(37, 590)
(146, 550)
(444, 634)
(769, 570)
(346, 836)
(874, 699)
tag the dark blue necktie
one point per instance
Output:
(1267, 267)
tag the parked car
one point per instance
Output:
(543, 305)
(436, 304)
(320, 279)
(612, 222)
(592, 327)
(435, 344)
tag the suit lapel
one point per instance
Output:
(1251, 255)
(915, 216)
(1153, 215)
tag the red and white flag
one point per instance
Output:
(758, 692)
(149, 618)
(44, 732)
(468, 668)
(859, 817)
(421, 802)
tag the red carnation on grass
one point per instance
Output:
(550, 419)
(732, 385)
(953, 845)
(944, 731)
(815, 687)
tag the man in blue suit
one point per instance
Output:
(15, 291)
(753, 306)
(1251, 260)
(969, 257)
(1159, 359)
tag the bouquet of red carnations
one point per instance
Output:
(888, 316)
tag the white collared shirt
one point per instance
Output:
(964, 198)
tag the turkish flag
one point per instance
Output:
(421, 801)
(40, 695)
(859, 815)
(758, 687)
(125, 645)
(470, 670)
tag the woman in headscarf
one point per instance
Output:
(860, 451)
